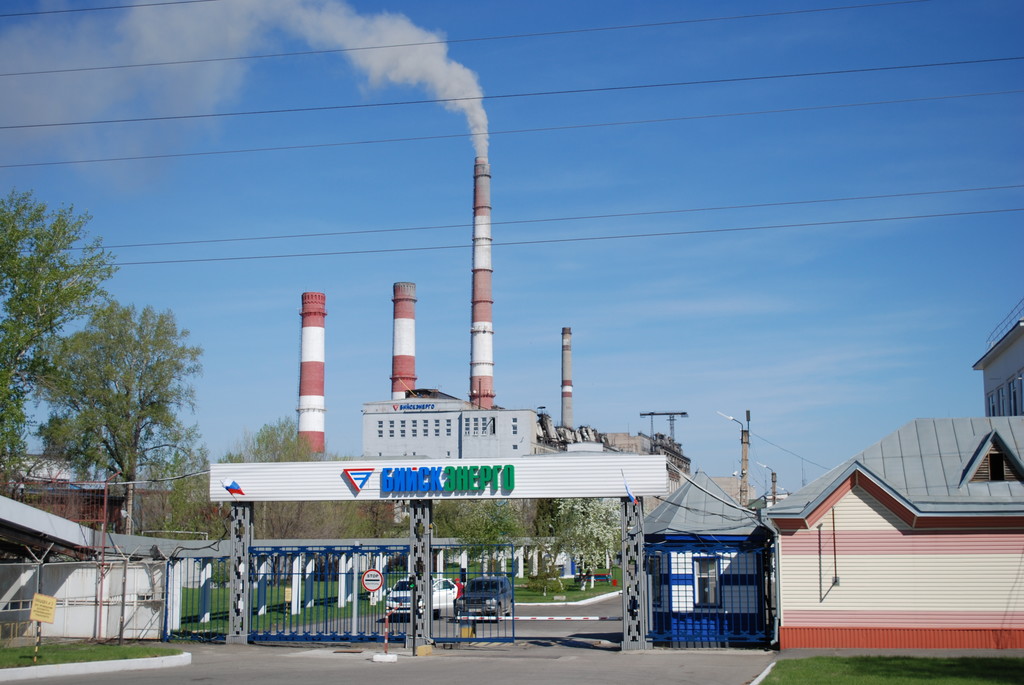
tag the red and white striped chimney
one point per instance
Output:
(481, 359)
(567, 378)
(403, 342)
(311, 371)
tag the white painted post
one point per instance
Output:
(174, 595)
(205, 591)
(355, 594)
(343, 563)
(296, 583)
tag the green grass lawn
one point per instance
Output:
(571, 591)
(893, 670)
(75, 652)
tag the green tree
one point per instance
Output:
(186, 505)
(280, 442)
(45, 283)
(587, 530)
(114, 391)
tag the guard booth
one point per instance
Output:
(709, 563)
(419, 482)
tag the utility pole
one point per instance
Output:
(745, 463)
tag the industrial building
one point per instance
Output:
(428, 423)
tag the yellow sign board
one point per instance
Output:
(44, 608)
(288, 594)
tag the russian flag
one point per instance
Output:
(628, 493)
(232, 487)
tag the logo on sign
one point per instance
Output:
(412, 407)
(357, 478)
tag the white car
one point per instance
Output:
(398, 598)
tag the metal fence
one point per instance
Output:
(114, 599)
(316, 594)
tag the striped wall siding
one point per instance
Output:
(894, 578)
(899, 638)
(887, 542)
(907, 619)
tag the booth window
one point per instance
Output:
(705, 571)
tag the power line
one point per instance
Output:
(813, 463)
(543, 129)
(99, 9)
(507, 96)
(590, 217)
(514, 36)
(551, 241)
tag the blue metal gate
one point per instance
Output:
(708, 593)
(314, 593)
(484, 610)
(198, 599)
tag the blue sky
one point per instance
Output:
(832, 334)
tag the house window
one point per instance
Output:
(1014, 397)
(401, 433)
(990, 404)
(391, 433)
(705, 572)
(380, 424)
(414, 431)
(515, 426)
(391, 424)
(437, 432)
(380, 434)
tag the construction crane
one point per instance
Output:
(671, 420)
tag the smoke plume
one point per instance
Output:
(331, 24)
(154, 34)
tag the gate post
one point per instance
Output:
(420, 527)
(241, 537)
(634, 577)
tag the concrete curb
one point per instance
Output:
(764, 674)
(90, 667)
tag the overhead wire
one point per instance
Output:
(70, 10)
(550, 241)
(541, 129)
(584, 217)
(514, 36)
(506, 96)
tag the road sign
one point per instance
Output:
(373, 580)
(43, 609)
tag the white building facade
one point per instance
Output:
(446, 428)
(1003, 369)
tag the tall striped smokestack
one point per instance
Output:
(567, 378)
(481, 360)
(311, 371)
(403, 342)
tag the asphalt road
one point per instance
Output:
(518, 664)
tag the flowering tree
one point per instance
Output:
(588, 530)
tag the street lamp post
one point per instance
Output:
(745, 459)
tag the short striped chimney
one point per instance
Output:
(403, 342)
(567, 378)
(311, 371)
(481, 360)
